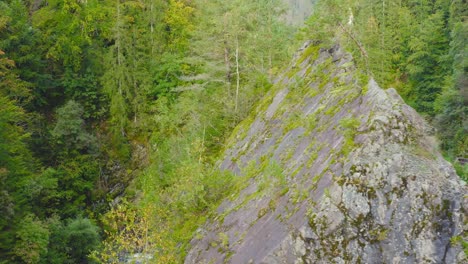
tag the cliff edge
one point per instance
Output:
(335, 169)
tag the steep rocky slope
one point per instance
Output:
(334, 169)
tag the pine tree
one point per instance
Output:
(16, 163)
(451, 105)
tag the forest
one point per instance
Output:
(113, 113)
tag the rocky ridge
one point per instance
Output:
(335, 169)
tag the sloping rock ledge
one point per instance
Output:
(335, 170)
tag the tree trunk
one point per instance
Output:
(117, 43)
(226, 55)
(237, 75)
(152, 28)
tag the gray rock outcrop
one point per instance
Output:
(298, 11)
(333, 169)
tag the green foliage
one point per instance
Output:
(67, 190)
(178, 20)
(83, 89)
(82, 237)
(69, 132)
(451, 105)
(243, 43)
(69, 28)
(77, 179)
(458, 240)
(14, 153)
(349, 123)
(32, 239)
(17, 40)
(71, 241)
(16, 167)
(311, 50)
(180, 185)
(426, 65)
(166, 75)
(349, 127)
(462, 170)
(44, 193)
(388, 42)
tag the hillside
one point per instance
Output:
(153, 130)
(334, 169)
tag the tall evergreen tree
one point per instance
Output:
(452, 105)
(16, 163)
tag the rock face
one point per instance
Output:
(333, 169)
(298, 10)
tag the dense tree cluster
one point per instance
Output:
(108, 99)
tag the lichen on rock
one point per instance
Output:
(361, 180)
